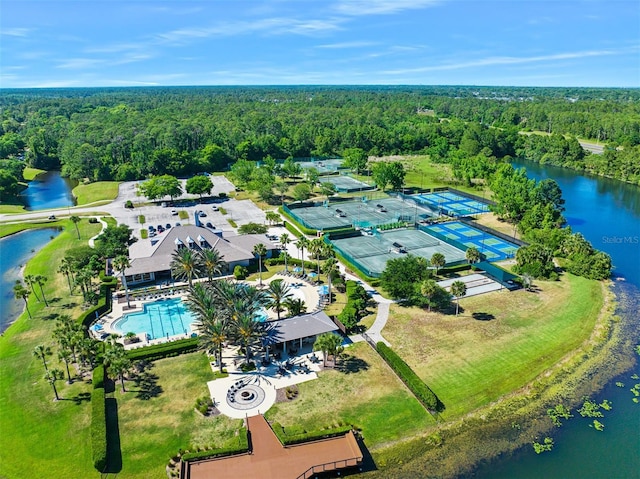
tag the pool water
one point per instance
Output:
(162, 318)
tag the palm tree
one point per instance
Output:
(65, 268)
(527, 281)
(472, 254)
(41, 280)
(330, 267)
(117, 362)
(272, 217)
(53, 376)
(277, 294)
(438, 260)
(211, 337)
(65, 355)
(260, 250)
(285, 239)
(76, 220)
(316, 249)
(458, 289)
(31, 280)
(429, 288)
(303, 243)
(295, 306)
(42, 352)
(247, 331)
(185, 265)
(20, 292)
(211, 262)
(83, 279)
(330, 344)
(121, 263)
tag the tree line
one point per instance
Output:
(132, 134)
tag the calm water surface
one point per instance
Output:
(48, 190)
(607, 213)
(15, 251)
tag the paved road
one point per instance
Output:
(241, 212)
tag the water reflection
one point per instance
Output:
(48, 190)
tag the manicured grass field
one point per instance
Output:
(498, 343)
(30, 173)
(362, 391)
(100, 191)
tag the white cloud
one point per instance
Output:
(342, 45)
(16, 32)
(79, 63)
(494, 61)
(380, 7)
(269, 26)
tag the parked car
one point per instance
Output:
(215, 208)
(209, 225)
(52, 217)
(202, 214)
(168, 226)
(160, 228)
(178, 223)
(151, 228)
(174, 212)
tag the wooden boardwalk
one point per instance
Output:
(270, 460)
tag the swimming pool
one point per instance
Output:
(162, 318)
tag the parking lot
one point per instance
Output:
(240, 212)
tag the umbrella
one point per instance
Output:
(297, 269)
(323, 290)
(96, 327)
(312, 275)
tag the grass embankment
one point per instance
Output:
(7, 229)
(101, 191)
(499, 343)
(29, 173)
(362, 391)
(37, 433)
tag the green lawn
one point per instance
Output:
(100, 191)
(470, 362)
(30, 173)
(363, 392)
(155, 429)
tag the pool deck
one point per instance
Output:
(300, 289)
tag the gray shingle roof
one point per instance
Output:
(303, 326)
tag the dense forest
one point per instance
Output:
(133, 133)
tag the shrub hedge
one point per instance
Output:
(304, 229)
(306, 436)
(98, 377)
(103, 306)
(164, 350)
(98, 429)
(242, 447)
(422, 392)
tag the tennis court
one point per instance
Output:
(492, 247)
(346, 184)
(452, 203)
(358, 213)
(324, 167)
(371, 252)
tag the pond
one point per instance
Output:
(15, 251)
(48, 190)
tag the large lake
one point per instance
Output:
(607, 213)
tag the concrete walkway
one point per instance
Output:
(92, 240)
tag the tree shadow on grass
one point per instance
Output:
(51, 317)
(146, 382)
(483, 316)
(114, 452)
(80, 398)
(350, 364)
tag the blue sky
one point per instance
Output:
(284, 42)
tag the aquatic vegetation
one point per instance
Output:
(606, 405)
(597, 425)
(590, 409)
(558, 412)
(620, 384)
(547, 445)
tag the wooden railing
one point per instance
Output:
(330, 466)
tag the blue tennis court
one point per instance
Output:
(460, 234)
(452, 203)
